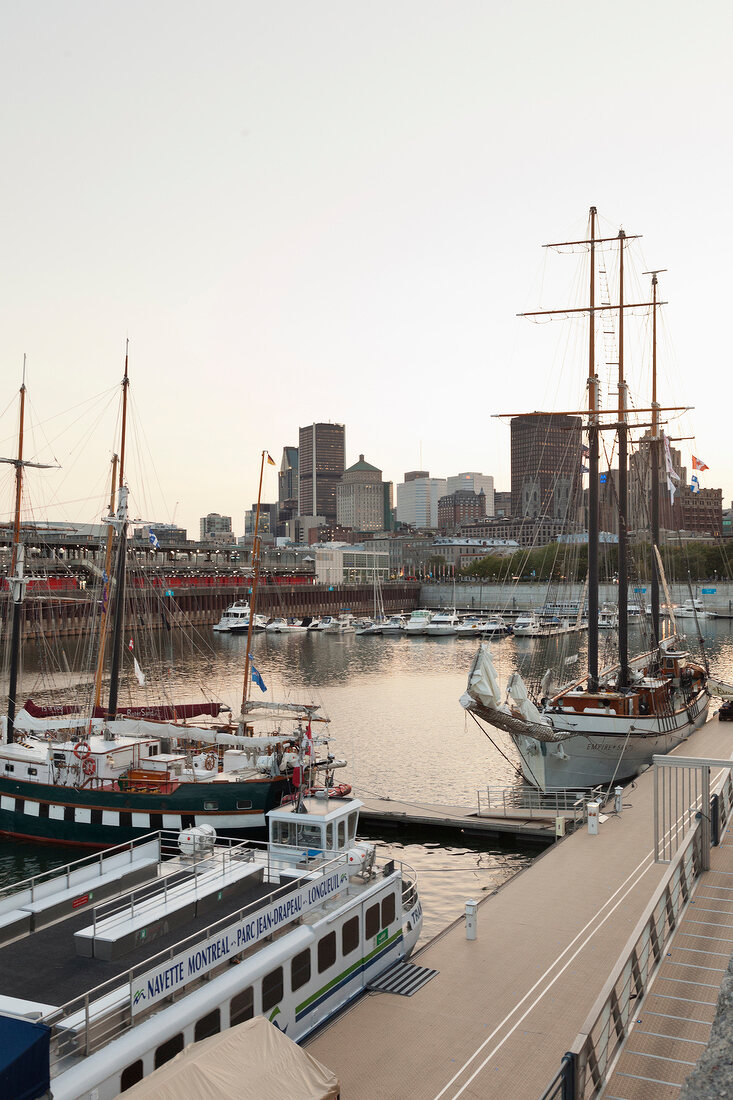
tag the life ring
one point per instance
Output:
(82, 749)
(88, 766)
(210, 762)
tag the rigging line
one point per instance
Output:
(512, 763)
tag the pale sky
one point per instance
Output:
(332, 211)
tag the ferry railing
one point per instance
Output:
(90, 1021)
(94, 862)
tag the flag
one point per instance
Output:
(140, 675)
(694, 484)
(256, 678)
(153, 541)
(270, 459)
(309, 735)
(672, 475)
(698, 464)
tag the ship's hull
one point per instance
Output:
(101, 818)
(605, 751)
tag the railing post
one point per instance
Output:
(715, 821)
(705, 819)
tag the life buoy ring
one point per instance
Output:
(88, 766)
(210, 762)
(82, 749)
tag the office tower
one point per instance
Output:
(321, 454)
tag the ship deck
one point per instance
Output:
(44, 966)
(498, 1017)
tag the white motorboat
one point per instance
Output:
(234, 615)
(418, 622)
(260, 623)
(322, 624)
(394, 625)
(290, 625)
(309, 919)
(691, 609)
(344, 624)
(443, 624)
(544, 626)
(608, 618)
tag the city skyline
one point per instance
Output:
(284, 237)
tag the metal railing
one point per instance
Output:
(531, 802)
(587, 1064)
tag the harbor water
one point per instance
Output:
(394, 716)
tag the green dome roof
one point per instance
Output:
(361, 465)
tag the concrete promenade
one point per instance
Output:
(496, 1020)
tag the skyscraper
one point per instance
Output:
(321, 452)
(546, 467)
(360, 498)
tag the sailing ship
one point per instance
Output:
(101, 775)
(608, 724)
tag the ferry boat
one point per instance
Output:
(113, 964)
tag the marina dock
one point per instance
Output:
(496, 1020)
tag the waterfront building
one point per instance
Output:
(417, 499)
(473, 483)
(167, 533)
(215, 528)
(461, 506)
(360, 498)
(546, 458)
(343, 564)
(529, 533)
(321, 453)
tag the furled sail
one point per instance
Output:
(483, 698)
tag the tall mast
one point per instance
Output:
(121, 525)
(593, 484)
(106, 593)
(253, 601)
(17, 583)
(655, 461)
(623, 488)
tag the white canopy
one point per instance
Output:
(247, 1062)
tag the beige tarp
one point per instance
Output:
(247, 1062)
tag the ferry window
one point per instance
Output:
(125, 817)
(156, 821)
(152, 750)
(329, 836)
(43, 809)
(10, 767)
(131, 1075)
(33, 771)
(300, 969)
(96, 817)
(272, 989)
(169, 1049)
(211, 805)
(350, 936)
(68, 813)
(352, 825)
(326, 952)
(241, 1007)
(59, 758)
(342, 834)
(206, 1026)
(371, 921)
(244, 804)
(388, 910)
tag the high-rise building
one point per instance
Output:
(215, 528)
(417, 499)
(473, 483)
(321, 454)
(546, 461)
(462, 506)
(360, 498)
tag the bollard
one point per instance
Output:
(471, 919)
(617, 799)
(593, 808)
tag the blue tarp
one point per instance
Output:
(24, 1059)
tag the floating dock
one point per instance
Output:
(497, 1018)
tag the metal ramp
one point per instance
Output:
(403, 978)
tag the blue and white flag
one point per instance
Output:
(153, 541)
(694, 484)
(256, 678)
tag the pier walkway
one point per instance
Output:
(497, 1018)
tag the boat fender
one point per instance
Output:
(89, 766)
(210, 762)
(82, 749)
